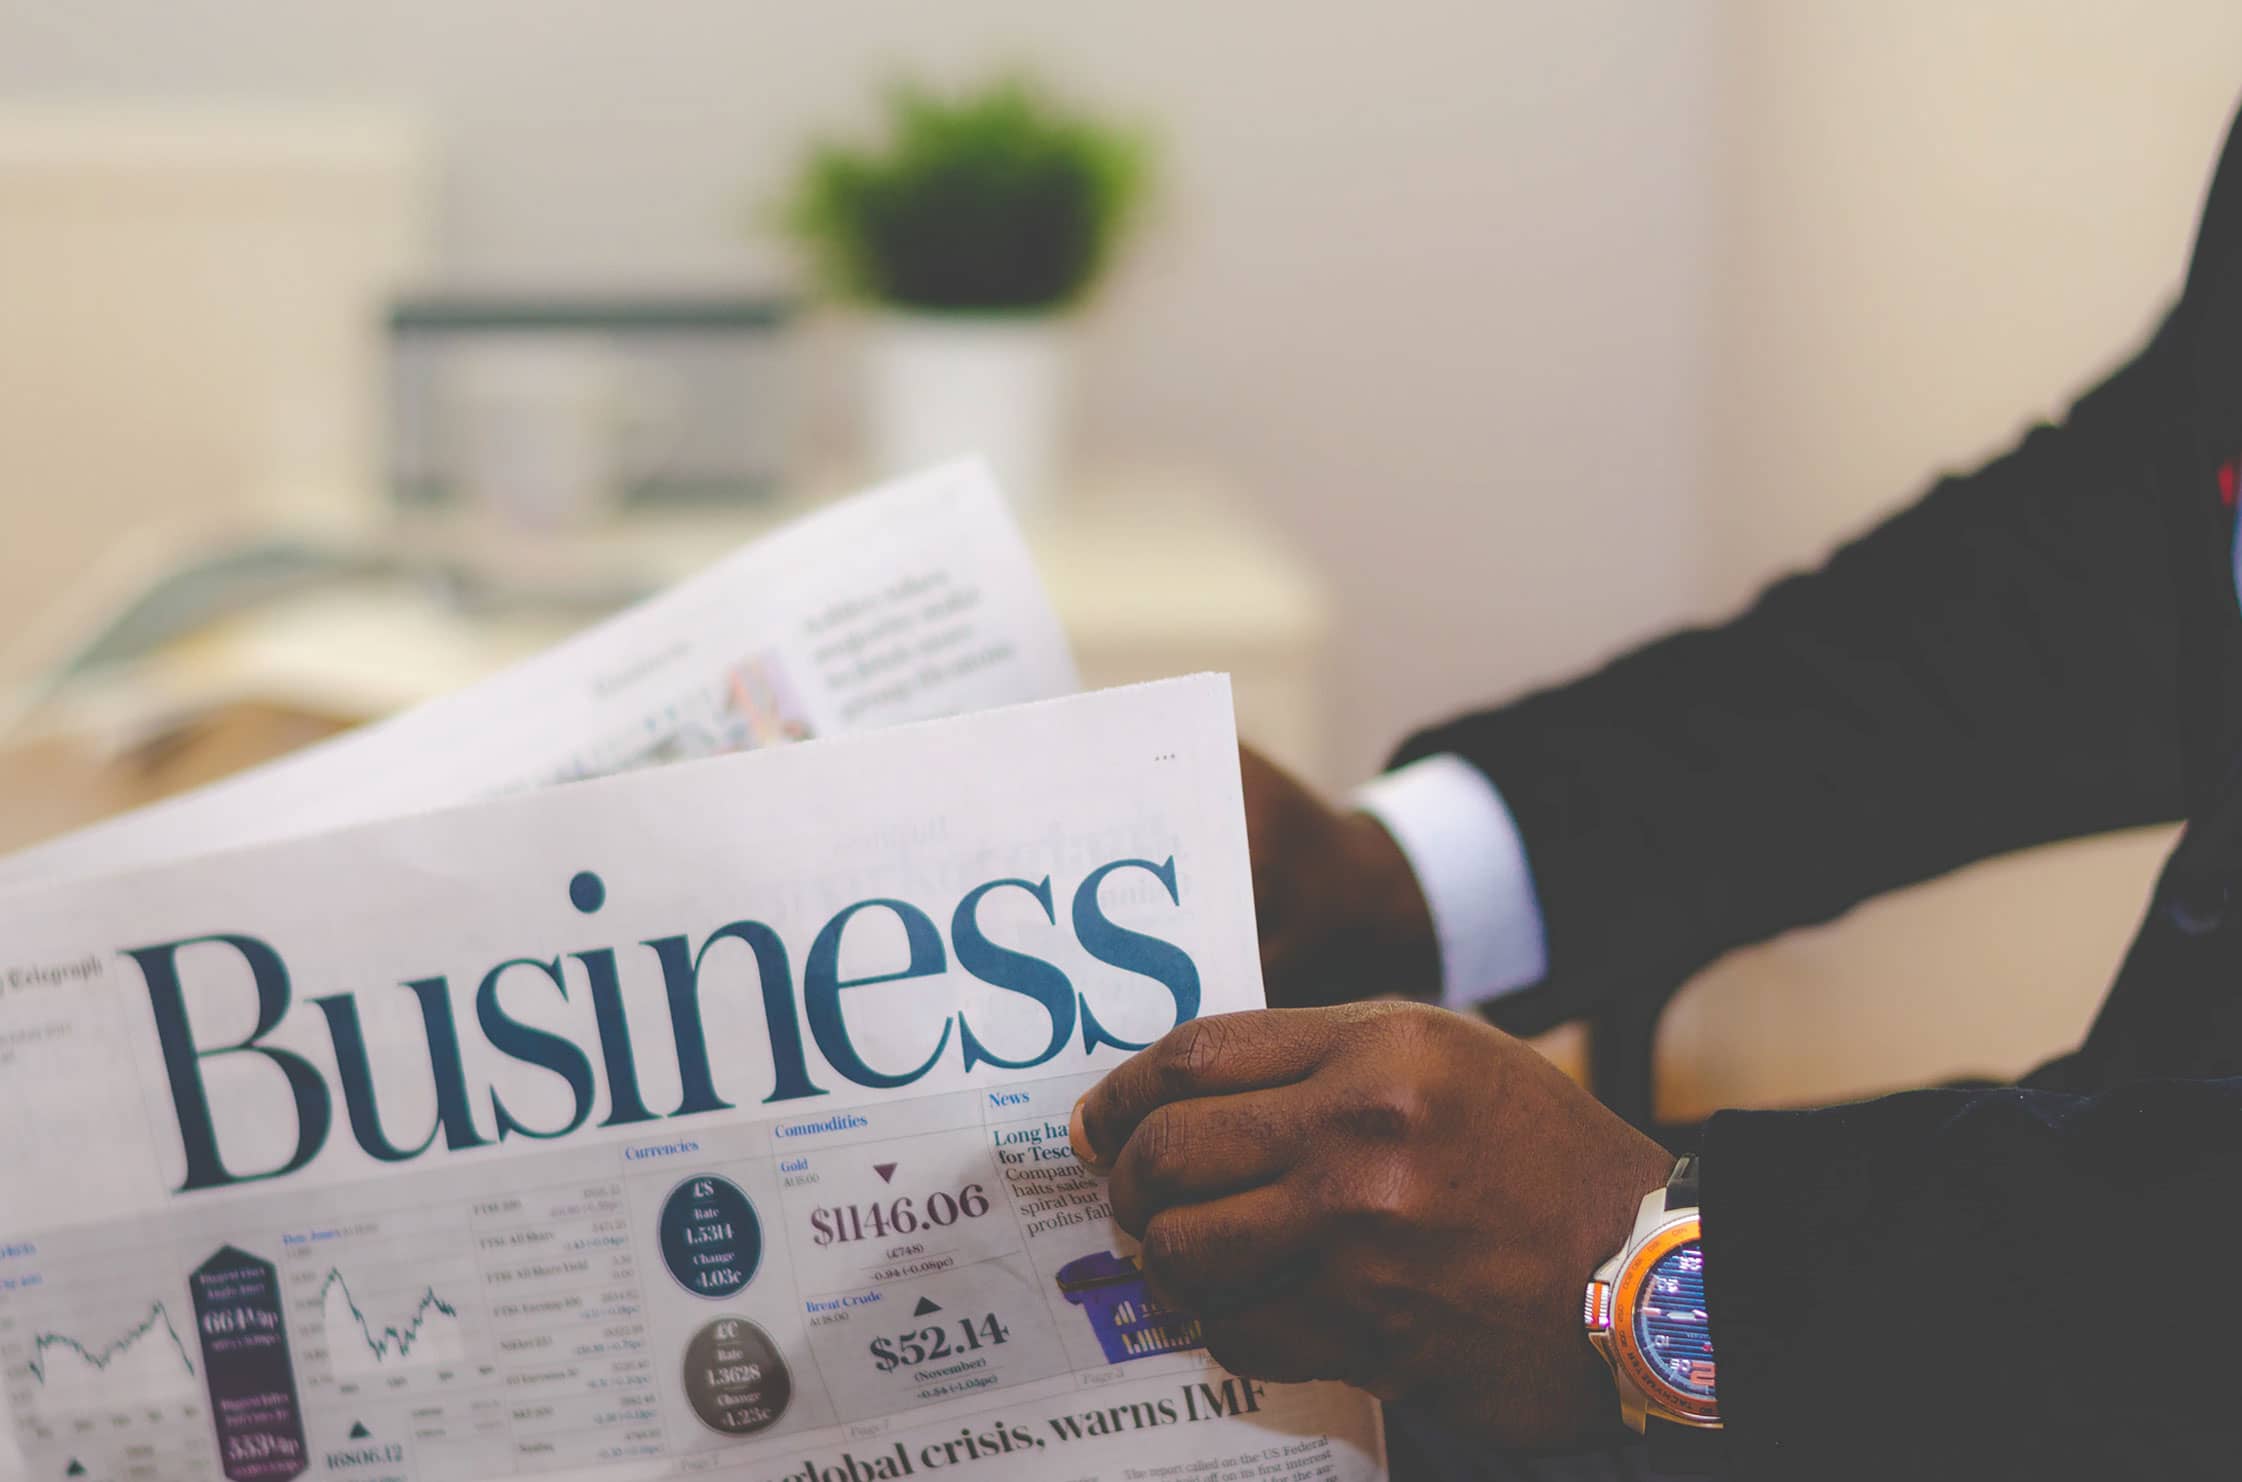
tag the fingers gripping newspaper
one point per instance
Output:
(704, 1120)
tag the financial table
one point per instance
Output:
(695, 1293)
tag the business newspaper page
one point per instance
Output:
(702, 1120)
(913, 600)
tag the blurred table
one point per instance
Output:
(1152, 574)
(56, 784)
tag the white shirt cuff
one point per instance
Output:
(1459, 838)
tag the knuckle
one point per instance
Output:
(1269, 1131)
(1389, 1197)
(1414, 1026)
(1393, 1111)
(1372, 1119)
(1170, 1248)
(1190, 1053)
(1159, 1147)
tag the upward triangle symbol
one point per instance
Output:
(358, 1431)
(926, 1305)
(76, 1468)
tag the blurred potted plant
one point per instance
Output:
(973, 227)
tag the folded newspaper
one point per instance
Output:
(703, 1120)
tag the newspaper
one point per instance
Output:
(703, 1120)
(706, 1120)
(915, 600)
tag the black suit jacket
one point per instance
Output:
(2037, 1281)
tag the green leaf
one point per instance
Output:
(996, 199)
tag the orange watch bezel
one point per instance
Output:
(1626, 1294)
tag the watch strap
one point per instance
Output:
(1684, 1450)
(1676, 1449)
(1681, 1187)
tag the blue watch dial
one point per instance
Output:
(1670, 1326)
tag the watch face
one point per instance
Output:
(1669, 1321)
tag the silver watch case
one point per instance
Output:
(1608, 1314)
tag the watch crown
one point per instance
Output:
(1595, 1310)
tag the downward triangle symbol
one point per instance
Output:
(76, 1468)
(926, 1305)
(886, 1171)
(358, 1432)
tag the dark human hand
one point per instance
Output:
(1341, 914)
(1388, 1194)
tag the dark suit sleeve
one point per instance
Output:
(1995, 667)
(1997, 1284)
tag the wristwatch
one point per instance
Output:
(1646, 1315)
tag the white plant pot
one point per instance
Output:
(942, 386)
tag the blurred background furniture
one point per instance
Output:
(1154, 573)
(673, 400)
(190, 302)
(1531, 329)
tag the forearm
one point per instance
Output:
(1994, 668)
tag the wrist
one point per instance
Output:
(1638, 1171)
(1391, 940)
(1609, 1201)
(1468, 879)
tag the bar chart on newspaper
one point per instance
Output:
(708, 1120)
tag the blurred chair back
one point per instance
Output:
(191, 333)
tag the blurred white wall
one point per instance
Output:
(1939, 221)
(1427, 278)
(1540, 325)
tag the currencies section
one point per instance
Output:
(955, 1246)
(734, 1364)
(926, 1339)
(736, 1289)
(914, 1284)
